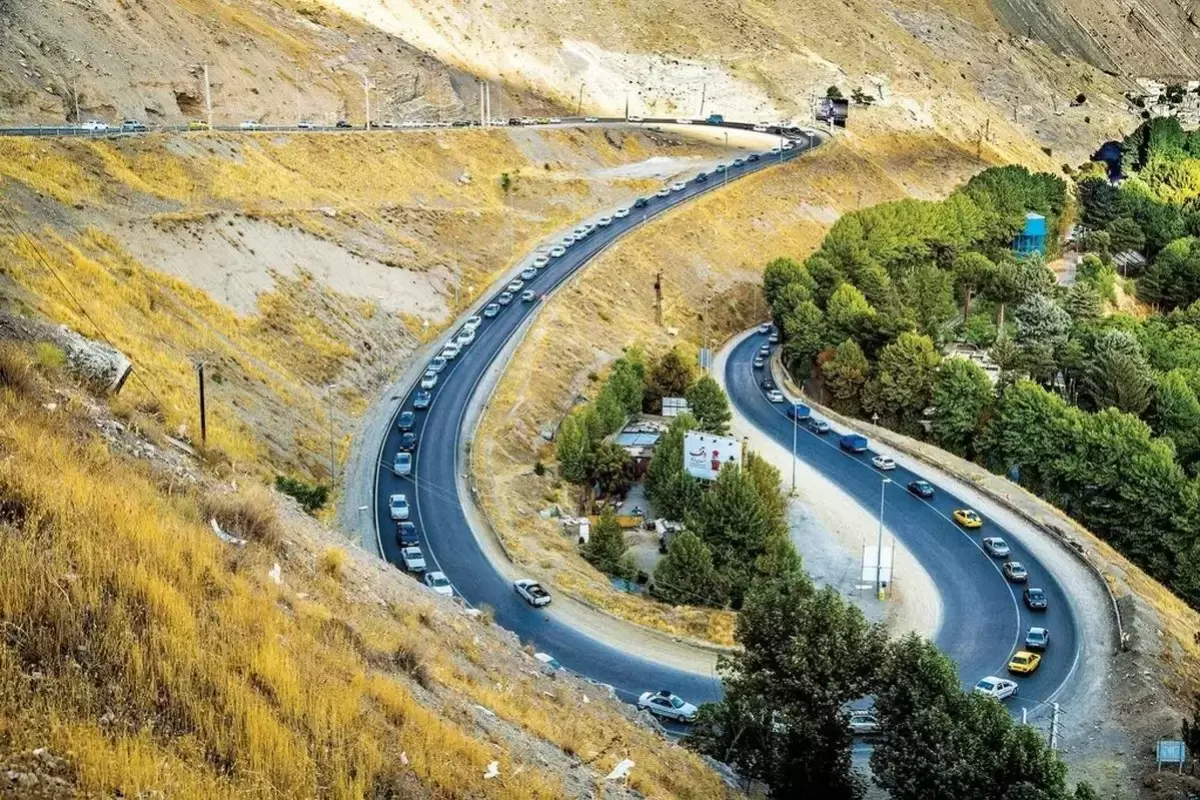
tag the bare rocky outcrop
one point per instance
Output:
(98, 364)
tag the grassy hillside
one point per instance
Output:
(145, 655)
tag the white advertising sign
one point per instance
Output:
(705, 454)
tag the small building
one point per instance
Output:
(638, 439)
(1032, 238)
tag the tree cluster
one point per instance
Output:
(804, 655)
(583, 456)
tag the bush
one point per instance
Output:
(49, 356)
(250, 514)
(332, 562)
(311, 496)
(539, 468)
(14, 370)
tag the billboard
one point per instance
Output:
(705, 454)
(833, 110)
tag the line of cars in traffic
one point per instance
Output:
(1023, 662)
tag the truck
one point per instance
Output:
(853, 443)
(715, 119)
(799, 412)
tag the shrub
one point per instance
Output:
(311, 496)
(332, 562)
(49, 356)
(14, 370)
(539, 468)
(250, 514)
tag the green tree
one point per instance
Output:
(1177, 414)
(1099, 201)
(606, 543)
(1100, 276)
(1034, 277)
(846, 373)
(610, 410)
(906, 371)
(927, 292)
(709, 405)
(1125, 234)
(1042, 328)
(826, 278)
(847, 312)
(972, 271)
(685, 575)
(628, 381)
(962, 395)
(572, 447)
(781, 272)
(672, 491)
(1003, 288)
(670, 376)
(980, 331)
(610, 469)
(765, 478)
(1083, 302)
(678, 495)
(778, 560)
(735, 524)
(1119, 380)
(803, 337)
(802, 657)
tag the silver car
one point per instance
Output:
(667, 705)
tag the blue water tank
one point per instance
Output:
(1032, 238)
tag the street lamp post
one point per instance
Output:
(726, 170)
(879, 542)
(795, 426)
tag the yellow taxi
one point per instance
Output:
(197, 125)
(1024, 662)
(967, 518)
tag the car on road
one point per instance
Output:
(739, 162)
(505, 298)
(767, 383)
(789, 144)
(1035, 599)
(540, 262)
(558, 251)
(701, 177)
(555, 120)
(406, 534)
(759, 362)
(591, 119)
(883, 462)
(621, 213)
(854, 443)
(515, 286)
(343, 124)
(249, 125)
(667, 705)
(549, 660)
(775, 396)
(774, 338)
(402, 463)
(532, 591)
(1024, 662)
(94, 126)
(406, 420)
(472, 322)
(995, 546)
(491, 310)
(422, 400)
(465, 337)
(863, 723)
(683, 121)
(764, 327)
(663, 192)
(439, 583)
(760, 128)
(921, 489)
(753, 157)
(635, 119)
(527, 296)
(529, 273)
(436, 364)
(133, 126)
(604, 222)
(765, 350)
(819, 426)
(413, 559)
(429, 379)
(641, 202)
(1037, 639)
(967, 518)
(798, 412)
(996, 688)
(408, 441)
(1015, 571)
(678, 186)
(450, 351)
(398, 506)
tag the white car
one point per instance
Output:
(863, 723)
(529, 273)
(515, 286)
(568, 240)
(558, 252)
(995, 546)
(996, 688)
(667, 705)
(429, 380)
(591, 119)
(555, 120)
(305, 124)
(760, 128)
(451, 351)
(789, 144)
(635, 119)
(398, 506)
(413, 558)
(540, 262)
(472, 322)
(402, 464)
(678, 186)
(436, 364)
(775, 396)
(884, 462)
(532, 591)
(764, 328)
(621, 213)
(94, 125)
(663, 192)
(549, 660)
(465, 337)
(683, 121)
(604, 222)
(439, 583)
(248, 125)
(580, 233)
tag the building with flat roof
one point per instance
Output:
(1032, 238)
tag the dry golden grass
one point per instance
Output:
(711, 253)
(250, 514)
(157, 659)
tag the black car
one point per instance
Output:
(1035, 599)
(406, 534)
(422, 399)
(641, 202)
(408, 441)
(767, 384)
(753, 157)
(406, 420)
(341, 123)
(818, 426)
(702, 177)
(460, 123)
(514, 121)
(921, 489)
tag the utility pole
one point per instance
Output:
(795, 427)
(658, 298)
(1054, 727)
(207, 97)
(203, 413)
(703, 97)
(75, 97)
(481, 122)
(579, 105)
(626, 105)
(879, 541)
(726, 170)
(367, 98)
(487, 93)
(332, 463)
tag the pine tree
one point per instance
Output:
(685, 575)
(709, 405)
(606, 544)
